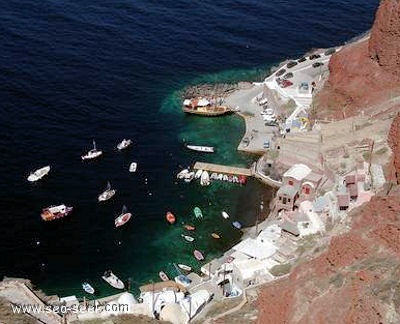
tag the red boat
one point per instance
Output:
(189, 227)
(198, 255)
(242, 179)
(170, 218)
(123, 218)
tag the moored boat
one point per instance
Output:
(225, 215)
(124, 144)
(133, 167)
(242, 179)
(198, 174)
(198, 255)
(123, 217)
(205, 179)
(215, 235)
(163, 276)
(113, 280)
(87, 288)
(189, 227)
(197, 212)
(182, 173)
(204, 107)
(214, 176)
(188, 177)
(55, 212)
(237, 225)
(170, 218)
(93, 153)
(38, 174)
(203, 149)
(188, 237)
(184, 267)
(108, 193)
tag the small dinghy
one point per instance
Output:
(113, 280)
(188, 237)
(198, 255)
(124, 144)
(182, 174)
(163, 276)
(189, 227)
(87, 288)
(215, 235)
(225, 215)
(133, 167)
(203, 149)
(38, 174)
(123, 217)
(237, 225)
(107, 193)
(93, 153)
(198, 174)
(170, 218)
(184, 267)
(197, 212)
(205, 179)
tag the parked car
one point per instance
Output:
(280, 72)
(317, 64)
(314, 56)
(330, 51)
(291, 64)
(269, 118)
(286, 83)
(266, 144)
(288, 75)
(271, 123)
(302, 59)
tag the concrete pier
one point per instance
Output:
(218, 168)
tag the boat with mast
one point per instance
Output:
(204, 107)
(108, 193)
(123, 217)
(93, 153)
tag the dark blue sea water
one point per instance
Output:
(73, 71)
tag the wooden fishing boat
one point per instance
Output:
(170, 218)
(203, 107)
(163, 276)
(184, 267)
(189, 227)
(197, 212)
(215, 235)
(188, 237)
(198, 255)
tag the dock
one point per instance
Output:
(218, 168)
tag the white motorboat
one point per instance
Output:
(93, 153)
(124, 144)
(55, 212)
(188, 237)
(108, 193)
(182, 174)
(198, 174)
(204, 149)
(184, 267)
(188, 177)
(87, 287)
(205, 179)
(225, 215)
(133, 167)
(39, 174)
(123, 217)
(113, 280)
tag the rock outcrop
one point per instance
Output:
(366, 73)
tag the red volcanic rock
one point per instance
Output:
(366, 73)
(393, 140)
(384, 44)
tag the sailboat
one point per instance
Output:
(93, 153)
(107, 193)
(123, 217)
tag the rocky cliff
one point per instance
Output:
(366, 73)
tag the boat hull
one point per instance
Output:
(184, 267)
(163, 276)
(170, 218)
(211, 111)
(55, 212)
(122, 219)
(198, 255)
(113, 280)
(106, 195)
(203, 149)
(39, 174)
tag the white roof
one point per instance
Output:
(255, 249)
(187, 102)
(249, 268)
(270, 234)
(298, 171)
(203, 102)
(127, 298)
